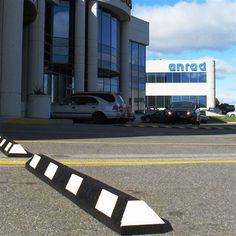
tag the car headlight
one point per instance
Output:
(169, 113)
(188, 113)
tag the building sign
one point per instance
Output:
(188, 67)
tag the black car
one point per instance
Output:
(182, 112)
(157, 116)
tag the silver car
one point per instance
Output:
(98, 107)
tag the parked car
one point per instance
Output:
(203, 117)
(231, 114)
(182, 111)
(215, 110)
(157, 116)
(225, 108)
(98, 107)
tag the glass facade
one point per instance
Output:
(137, 58)
(164, 101)
(177, 77)
(108, 52)
(59, 50)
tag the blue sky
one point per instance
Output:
(194, 29)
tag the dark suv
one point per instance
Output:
(181, 111)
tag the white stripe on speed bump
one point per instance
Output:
(3, 141)
(35, 160)
(106, 202)
(74, 183)
(8, 146)
(51, 170)
(137, 212)
(17, 149)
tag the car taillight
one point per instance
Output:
(116, 107)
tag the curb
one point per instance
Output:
(119, 211)
(12, 149)
(176, 127)
(35, 121)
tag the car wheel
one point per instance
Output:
(99, 118)
(232, 115)
(148, 119)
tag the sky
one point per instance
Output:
(194, 29)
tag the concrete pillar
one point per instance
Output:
(36, 50)
(25, 68)
(92, 55)
(125, 61)
(79, 67)
(11, 58)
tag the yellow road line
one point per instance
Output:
(103, 163)
(125, 143)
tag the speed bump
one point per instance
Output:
(119, 211)
(12, 149)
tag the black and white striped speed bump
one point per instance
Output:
(12, 149)
(119, 211)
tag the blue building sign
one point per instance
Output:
(187, 67)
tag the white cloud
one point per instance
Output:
(190, 26)
(227, 98)
(223, 68)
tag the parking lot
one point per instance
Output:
(186, 175)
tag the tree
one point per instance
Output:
(217, 102)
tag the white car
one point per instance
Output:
(231, 114)
(98, 107)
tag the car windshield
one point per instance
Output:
(186, 105)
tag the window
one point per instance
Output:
(168, 77)
(160, 77)
(176, 77)
(185, 77)
(86, 101)
(137, 75)
(202, 101)
(202, 77)
(108, 51)
(61, 24)
(151, 101)
(164, 101)
(193, 77)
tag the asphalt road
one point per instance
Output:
(186, 175)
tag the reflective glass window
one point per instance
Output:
(137, 75)
(61, 26)
(193, 77)
(193, 99)
(176, 77)
(185, 77)
(167, 101)
(202, 77)
(185, 98)
(151, 77)
(168, 77)
(151, 101)
(108, 48)
(160, 77)
(160, 101)
(202, 101)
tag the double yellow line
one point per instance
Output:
(118, 163)
(124, 143)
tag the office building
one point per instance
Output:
(52, 48)
(170, 81)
